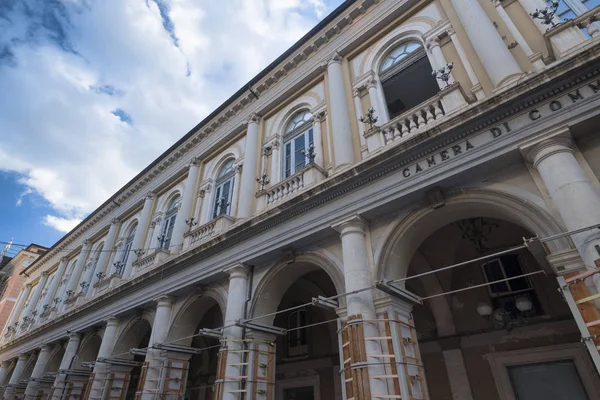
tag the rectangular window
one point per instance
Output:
(502, 268)
(168, 231)
(297, 337)
(558, 380)
(296, 152)
(223, 198)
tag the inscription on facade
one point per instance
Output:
(532, 116)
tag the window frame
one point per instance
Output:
(306, 130)
(407, 61)
(510, 292)
(222, 180)
(169, 222)
(501, 361)
(128, 244)
(301, 335)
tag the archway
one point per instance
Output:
(492, 338)
(198, 313)
(307, 356)
(136, 335)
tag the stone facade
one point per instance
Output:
(332, 234)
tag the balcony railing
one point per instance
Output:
(417, 119)
(587, 22)
(291, 186)
(151, 259)
(208, 230)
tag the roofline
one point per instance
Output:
(324, 22)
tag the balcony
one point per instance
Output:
(151, 260)
(208, 230)
(418, 119)
(291, 186)
(569, 36)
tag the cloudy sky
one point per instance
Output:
(91, 91)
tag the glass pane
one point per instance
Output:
(299, 157)
(302, 393)
(493, 272)
(512, 267)
(554, 380)
(226, 168)
(288, 159)
(591, 3)
(218, 192)
(310, 137)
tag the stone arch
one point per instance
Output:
(164, 200)
(88, 350)
(414, 30)
(191, 311)
(132, 333)
(410, 229)
(127, 228)
(305, 102)
(232, 153)
(274, 284)
(56, 356)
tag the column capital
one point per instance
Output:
(334, 58)
(253, 118)
(450, 31)
(542, 148)
(352, 224)
(45, 274)
(6, 364)
(87, 242)
(73, 336)
(23, 357)
(164, 300)
(28, 285)
(150, 195)
(356, 92)
(45, 348)
(194, 162)
(64, 259)
(238, 270)
(432, 42)
(112, 321)
(371, 83)
(115, 221)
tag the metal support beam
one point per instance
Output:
(325, 303)
(388, 287)
(272, 330)
(176, 348)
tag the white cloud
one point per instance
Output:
(165, 64)
(61, 224)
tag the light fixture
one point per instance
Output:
(484, 309)
(523, 304)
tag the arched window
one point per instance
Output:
(127, 247)
(164, 239)
(298, 143)
(224, 189)
(405, 75)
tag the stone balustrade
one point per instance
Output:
(151, 259)
(587, 23)
(417, 119)
(291, 186)
(208, 230)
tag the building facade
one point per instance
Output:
(12, 280)
(377, 215)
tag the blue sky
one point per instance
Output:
(91, 91)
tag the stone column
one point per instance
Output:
(439, 61)
(343, 149)
(537, 63)
(477, 90)
(19, 306)
(36, 294)
(109, 339)
(575, 197)
(140, 233)
(154, 357)
(275, 176)
(58, 275)
(318, 138)
(187, 205)
(236, 197)
(359, 111)
(236, 302)
(457, 374)
(357, 275)
(107, 252)
(206, 210)
(38, 371)
(78, 269)
(70, 351)
(4, 368)
(376, 102)
(16, 376)
(497, 60)
(249, 172)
